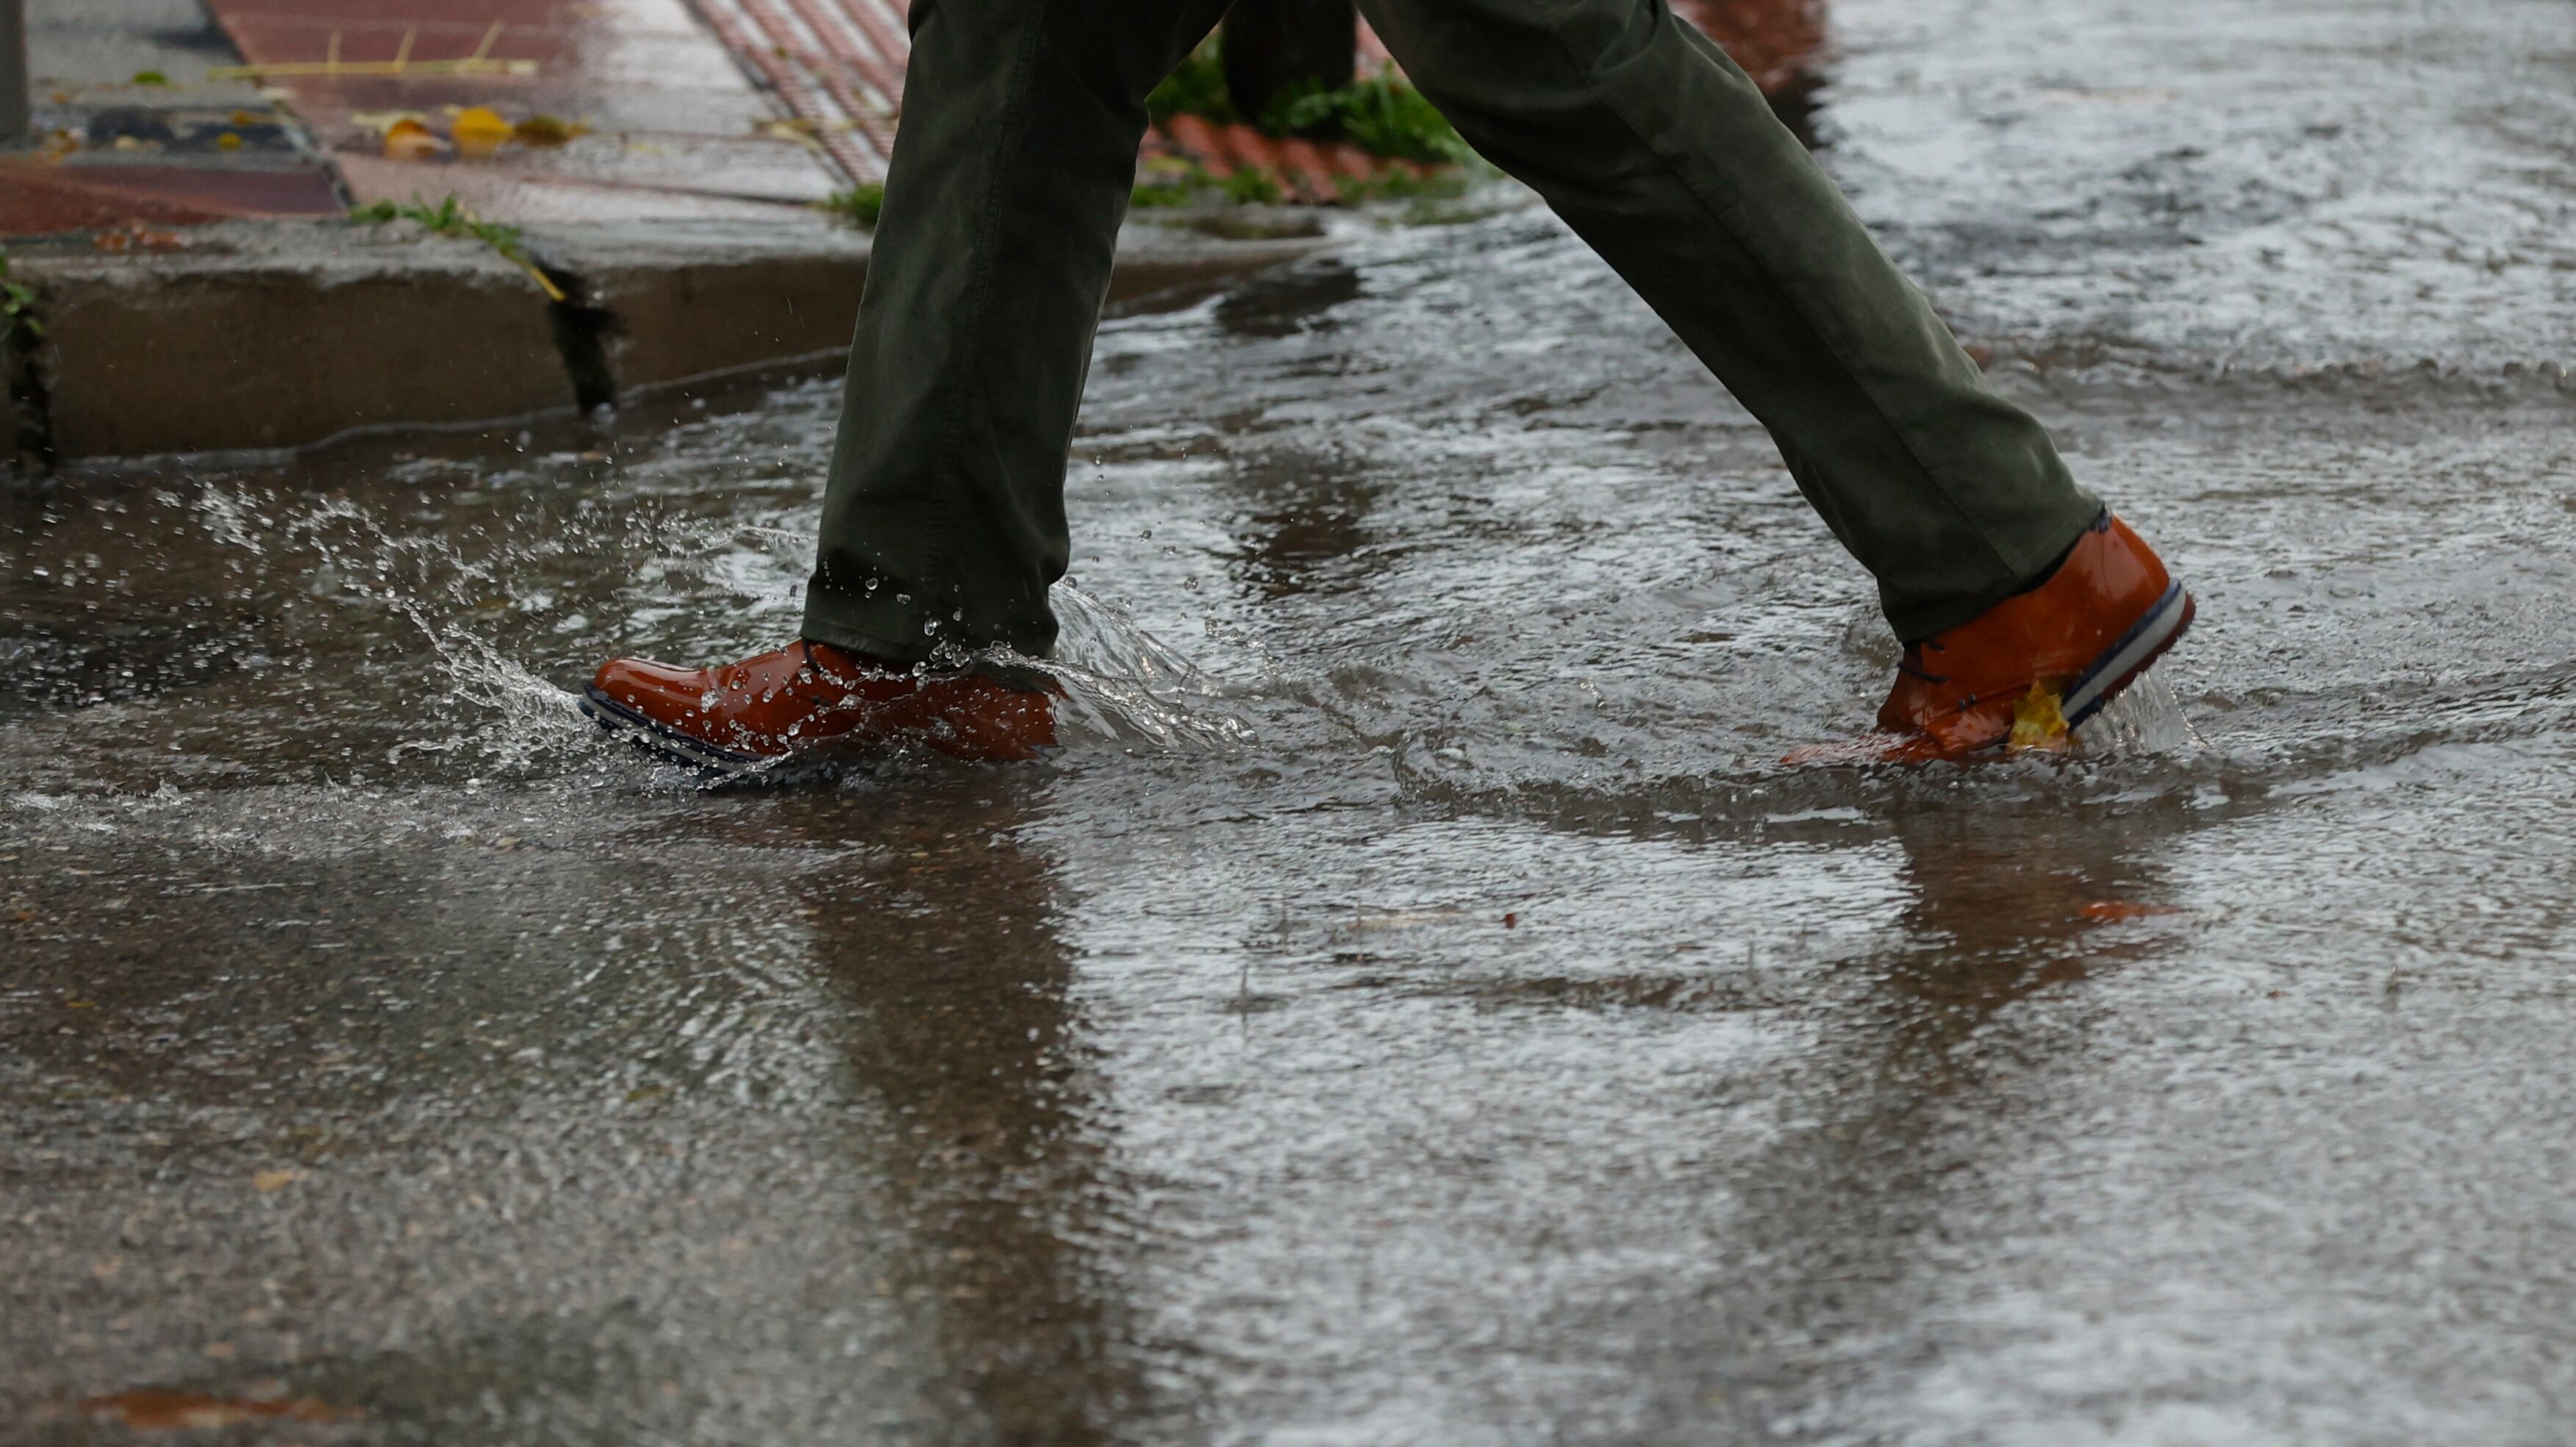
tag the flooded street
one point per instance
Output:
(1418, 1007)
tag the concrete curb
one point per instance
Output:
(267, 336)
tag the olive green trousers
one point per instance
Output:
(944, 518)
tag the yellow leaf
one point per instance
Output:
(228, 142)
(479, 131)
(2038, 722)
(270, 1182)
(409, 140)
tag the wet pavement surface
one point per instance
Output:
(1418, 1008)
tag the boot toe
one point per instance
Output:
(656, 691)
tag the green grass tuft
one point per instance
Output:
(1378, 114)
(18, 324)
(451, 218)
(448, 218)
(860, 205)
(1169, 182)
(1249, 187)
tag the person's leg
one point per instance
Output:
(1662, 155)
(944, 518)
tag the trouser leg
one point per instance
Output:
(1662, 155)
(944, 516)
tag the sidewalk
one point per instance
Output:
(673, 212)
(653, 168)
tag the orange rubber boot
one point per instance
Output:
(2108, 612)
(807, 696)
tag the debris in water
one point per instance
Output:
(2038, 722)
(2108, 911)
(150, 1409)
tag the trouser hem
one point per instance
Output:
(1920, 621)
(869, 627)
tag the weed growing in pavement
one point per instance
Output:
(1376, 113)
(1170, 182)
(18, 324)
(451, 217)
(1251, 187)
(22, 391)
(860, 205)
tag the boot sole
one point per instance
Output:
(678, 747)
(2119, 666)
(671, 744)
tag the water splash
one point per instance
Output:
(1124, 685)
(2145, 721)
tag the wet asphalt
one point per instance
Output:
(1418, 1008)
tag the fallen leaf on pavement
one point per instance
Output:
(548, 130)
(480, 130)
(152, 1409)
(409, 140)
(139, 237)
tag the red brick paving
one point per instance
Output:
(37, 198)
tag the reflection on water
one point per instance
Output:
(2003, 908)
(943, 948)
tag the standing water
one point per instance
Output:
(1419, 1007)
